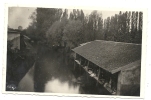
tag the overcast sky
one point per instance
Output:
(19, 16)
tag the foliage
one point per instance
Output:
(56, 26)
(124, 27)
(73, 33)
(42, 19)
(55, 32)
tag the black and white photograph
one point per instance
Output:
(74, 51)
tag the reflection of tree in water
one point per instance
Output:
(54, 68)
(51, 64)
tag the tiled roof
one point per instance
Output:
(110, 55)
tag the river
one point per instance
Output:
(53, 73)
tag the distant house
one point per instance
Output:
(14, 37)
(18, 40)
(115, 65)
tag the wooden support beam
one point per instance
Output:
(98, 77)
(87, 76)
(88, 64)
(80, 66)
(80, 60)
(74, 61)
(75, 55)
(74, 64)
(84, 62)
(99, 73)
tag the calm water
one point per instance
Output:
(52, 73)
(55, 85)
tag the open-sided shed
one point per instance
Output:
(115, 58)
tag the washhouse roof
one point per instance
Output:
(109, 55)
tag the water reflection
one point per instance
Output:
(51, 74)
(56, 86)
(51, 77)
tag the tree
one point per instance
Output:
(93, 24)
(123, 27)
(73, 33)
(82, 16)
(71, 17)
(138, 37)
(133, 27)
(42, 20)
(78, 14)
(45, 18)
(107, 30)
(115, 22)
(75, 14)
(100, 28)
(86, 29)
(119, 33)
(65, 14)
(128, 19)
(112, 29)
(32, 28)
(55, 32)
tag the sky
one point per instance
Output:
(19, 16)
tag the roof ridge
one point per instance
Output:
(119, 42)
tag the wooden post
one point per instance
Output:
(98, 77)
(80, 61)
(88, 64)
(74, 64)
(84, 63)
(74, 61)
(99, 73)
(87, 70)
(80, 65)
(75, 55)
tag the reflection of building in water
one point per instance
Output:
(115, 65)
